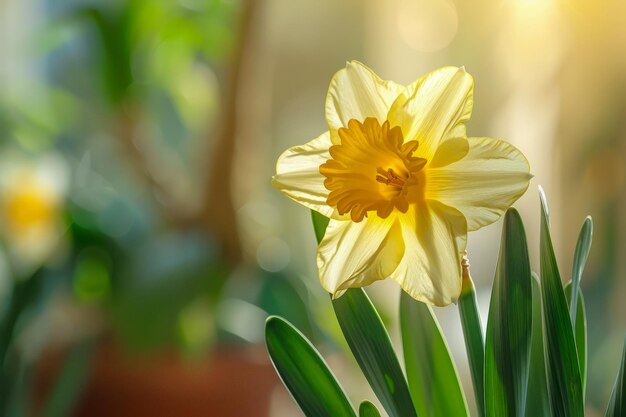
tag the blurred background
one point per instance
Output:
(141, 243)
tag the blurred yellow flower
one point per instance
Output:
(28, 205)
(31, 203)
(400, 181)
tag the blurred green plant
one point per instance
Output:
(534, 357)
(139, 100)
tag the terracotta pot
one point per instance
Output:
(232, 382)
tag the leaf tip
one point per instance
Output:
(512, 215)
(272, 322)
(588, 224)
(544, 201)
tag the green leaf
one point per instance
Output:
(70, 382)
(617, 403)
(366, 335)
(367, 409)
(537, 399)
(320, 223)
(580, 331)
(24, 295)
(563, 372)
(509, 328)
(304, 372)
(474, 341)
(583, 245)
(433, 379)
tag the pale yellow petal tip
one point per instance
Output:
(436, 301)
(461, 75)
(447, 301)
(334, 291)
(276, 183)
(274, 180)
(355, 62)
(337, 294)
(355, 65)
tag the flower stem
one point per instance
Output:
(472, 330)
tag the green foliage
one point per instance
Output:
(367, 409)
(132, 38)
(563, 371)
(583, 246)
(113, 27)
(70, 382)
(20, 302)
(304, 372)
(509, 328)
(537, 398)
(617, 403)
(580, 330)
(433, 380)
(474, 341)
(370, 345)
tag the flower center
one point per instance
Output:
(389, 178)
(371, 169)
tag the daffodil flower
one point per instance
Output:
(400, 181)
(32, 192)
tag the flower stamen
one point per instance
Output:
(389, 177)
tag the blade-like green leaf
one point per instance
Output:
(319, 224)
(70, 382)
(509, 328)
(474, 341)
(23, 296)
(304, 372)
(367, 409)
(617, 403)
(580, 331)
(563, 372)
(583, 245)
(433, 379)
(366, 335)
(537, 399)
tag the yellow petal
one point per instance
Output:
(491, 177)
(434, 108)
(449, 151)
(435, 236)
(356, 92)
(298, 175)
(357, 254)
